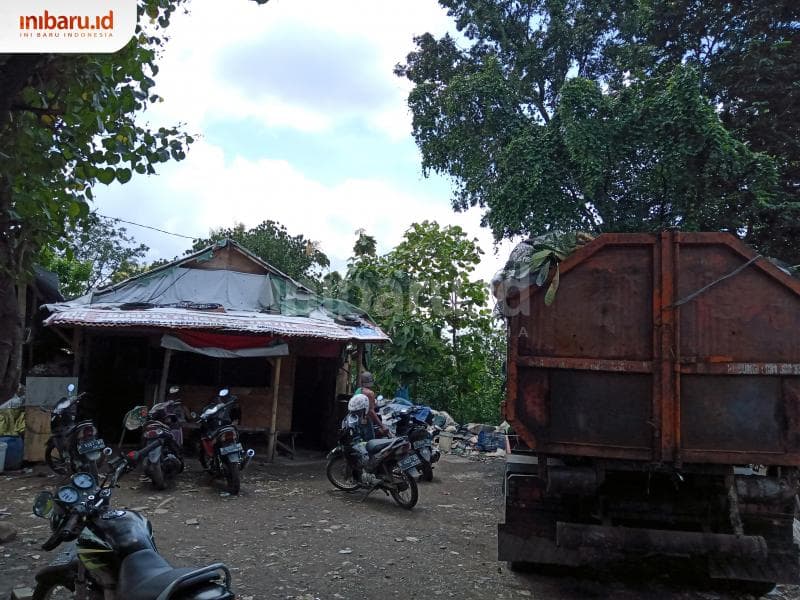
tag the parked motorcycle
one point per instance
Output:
(386, 464)
(163, 423)
(221, 453)
(413, 423)
(74, 445)
(111, 554)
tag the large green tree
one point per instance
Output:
(295, 255)
(424, 295)
(611, 116)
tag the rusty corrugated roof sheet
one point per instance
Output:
(232, 321)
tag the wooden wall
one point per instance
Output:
(255, 402)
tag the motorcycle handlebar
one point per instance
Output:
(70, 529)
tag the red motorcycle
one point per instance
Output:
(221, 453)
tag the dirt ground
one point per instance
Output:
(291, 535)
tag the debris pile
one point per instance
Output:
(472, 439)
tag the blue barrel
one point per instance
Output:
(13, 452)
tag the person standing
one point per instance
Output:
(367, 382)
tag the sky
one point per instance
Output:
(298, 118)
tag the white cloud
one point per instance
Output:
(207, 191)
(289, 41)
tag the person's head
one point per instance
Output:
(367, 380)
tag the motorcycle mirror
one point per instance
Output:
(174, 389)
(43, 505)
(224, 392)
(71, 388)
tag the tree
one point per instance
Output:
(296, 256)
(422, 295)
(93, 256)
(68, 122)
(566, 115)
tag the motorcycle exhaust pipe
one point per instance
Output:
(248, 456)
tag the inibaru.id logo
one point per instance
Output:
(66, 25)
(47, 21)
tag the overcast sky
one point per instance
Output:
(299, 119)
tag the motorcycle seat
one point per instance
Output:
(145, 574)
(375, 446)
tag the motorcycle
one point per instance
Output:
(74, 445)
(163, 423)
(386, 464)
(221, 453)
(413, 423)
(111, 554)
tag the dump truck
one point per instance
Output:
(658, 397)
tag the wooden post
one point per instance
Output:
(273, 427)
(359, 366)
(162, 387)
(77, 352)
(22, 304)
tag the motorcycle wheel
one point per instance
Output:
(57, 462)
(408, 497)
(340, 474)
(427, 471)
(157, 476)
(233, 476)
(52, 591)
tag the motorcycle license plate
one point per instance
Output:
(230, 449)
(91, 446)
(408, 462)
(421, 444)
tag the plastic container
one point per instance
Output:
(3, 447)
(13, 453)
(489, 442)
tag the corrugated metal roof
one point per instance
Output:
(232, 321)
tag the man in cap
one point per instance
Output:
(367, 381)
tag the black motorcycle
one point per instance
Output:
(221, 453)
(386, 464)
(112, 553)
(413, 423)
(163, 423)
(74, 445)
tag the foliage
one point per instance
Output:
(611, 116)
(422, 295)
(93, 256)
(67, 122)
(294, 255)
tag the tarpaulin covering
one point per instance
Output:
(209, 339)
(175, 343)
(196, 293)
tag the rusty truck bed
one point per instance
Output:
(671, 348)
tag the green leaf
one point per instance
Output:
(550, 296)
(123, 175)
(106, 175)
